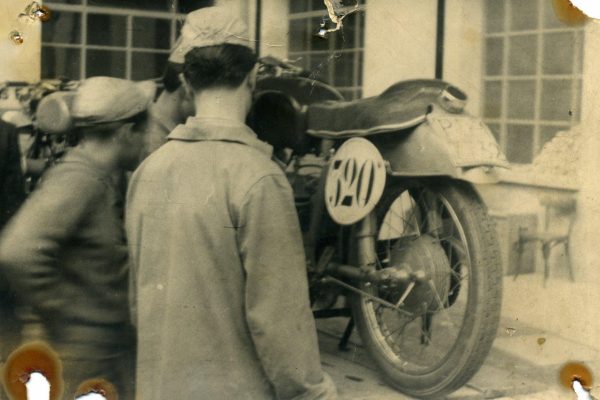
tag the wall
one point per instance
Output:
(463, 48)
(399, 42)
(19, 62)
(274, 28)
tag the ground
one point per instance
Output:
(523, 364)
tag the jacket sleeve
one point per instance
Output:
(277, 306)
(30, 245)
(12, 186)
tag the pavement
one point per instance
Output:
(524, 363)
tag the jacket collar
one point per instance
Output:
(76, 156)
(215, 129)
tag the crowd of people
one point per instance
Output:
(186, 279)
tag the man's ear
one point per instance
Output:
(251, 78)
(124, 133)
(186, 86)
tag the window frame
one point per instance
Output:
(84, 10)
(505, 77)
(332, 52)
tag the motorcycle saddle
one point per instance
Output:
(401, 106)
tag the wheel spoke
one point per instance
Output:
(440, 303)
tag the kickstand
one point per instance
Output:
(343, 344)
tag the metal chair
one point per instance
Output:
(548, 238)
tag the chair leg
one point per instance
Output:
(519, 246)
(546, 247)
(568, 261)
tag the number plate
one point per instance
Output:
(355, 181)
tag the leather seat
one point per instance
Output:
(401, 106)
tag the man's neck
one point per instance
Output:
(222, 103)
(102, 154)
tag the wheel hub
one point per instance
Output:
(422, 256)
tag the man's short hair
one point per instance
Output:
(213, 66)
(170, 78)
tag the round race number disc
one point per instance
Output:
(355, 181)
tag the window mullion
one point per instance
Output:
(538, 80)
(577, 59)
(128, 46)
(84, 23)
(504, 80)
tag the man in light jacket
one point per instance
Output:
(218, 268)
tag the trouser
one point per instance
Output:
(10, 326)
(93, 353)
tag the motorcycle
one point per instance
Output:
(392, 220)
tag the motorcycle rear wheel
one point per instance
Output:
(445, 331)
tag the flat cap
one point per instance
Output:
(209, 26)
(103, 99)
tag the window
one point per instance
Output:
(531, 75)
(120, 38)
(336, 59)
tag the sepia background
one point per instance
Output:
(532, 78)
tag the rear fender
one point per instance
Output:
(459, 146)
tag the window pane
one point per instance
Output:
(105, 63)
(492, 103)
(494, 50)
(519, 143)
(163, 5)
(106, 30)
(579, 38)
(318, 5)
(523, 14)
(547, 132)
(298, 6)
(59, 62)
(147, 65)
(49, 3)
(521, 99)
(558, 53)
(494, 16)
(361, 29)
(347, 93)
(319, 67)
(577, 106)
(301, 61)
(556, 99)
(344, 38)
(344, 70)
(186, 6)
(151, 33)
(298, 37)
(63, 27)
(317, 42)
(359, 66)
(495, 128)
(550, 19)
(522, 55)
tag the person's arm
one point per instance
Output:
(30, 245)
(277, 305)
(12, 186)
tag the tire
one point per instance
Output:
(431, 361)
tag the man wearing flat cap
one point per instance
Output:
(65, 251)
(221, 294)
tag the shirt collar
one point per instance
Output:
(216, 129)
